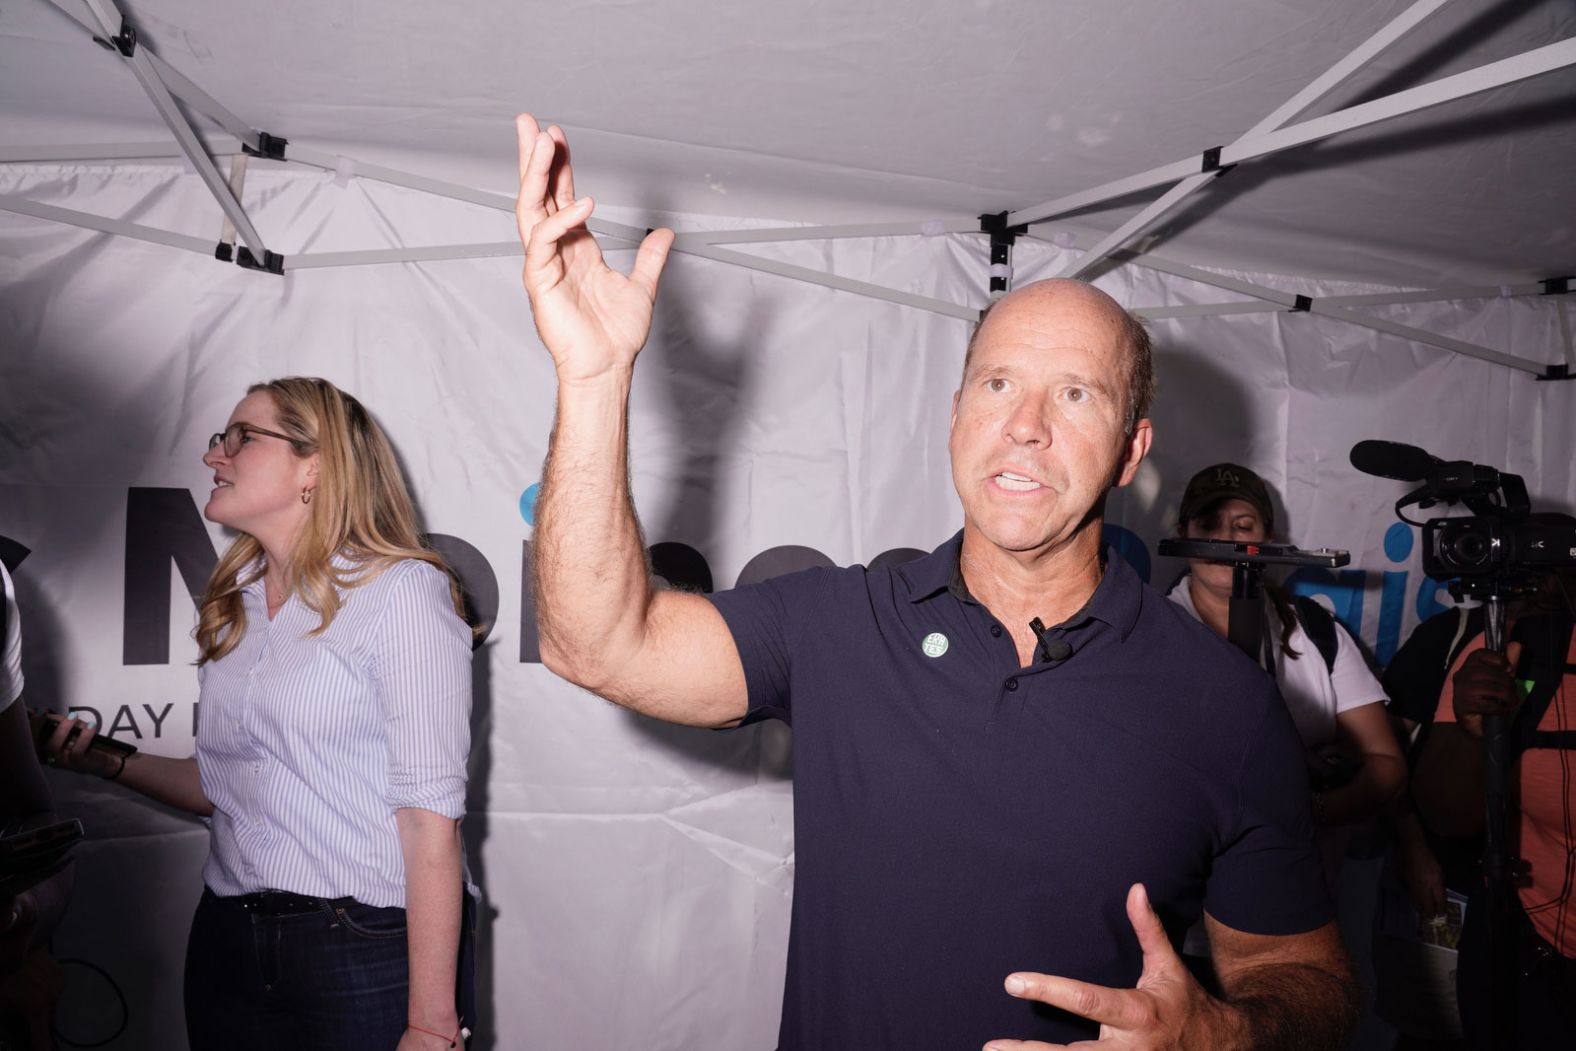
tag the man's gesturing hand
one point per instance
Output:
(593, 319)
(1168, 1009)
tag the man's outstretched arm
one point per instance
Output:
(602, 624)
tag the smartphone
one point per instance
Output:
(102, 742)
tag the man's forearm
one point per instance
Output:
(1294, 1007)
(591, 578)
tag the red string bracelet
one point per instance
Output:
(454, 1041)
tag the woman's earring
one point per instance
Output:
(306, 496)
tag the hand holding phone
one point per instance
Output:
(77, 745)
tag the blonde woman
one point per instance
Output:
(335, 670)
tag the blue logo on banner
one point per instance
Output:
(528, 503)
(1346, 590)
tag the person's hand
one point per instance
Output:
(53, 749)
(1484, 685)
(593, 319)
(1425, 879)
(30, 993)
(1167, 1009)
(18, 920)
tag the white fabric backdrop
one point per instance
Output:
(638, 876)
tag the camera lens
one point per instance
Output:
(1470, 549)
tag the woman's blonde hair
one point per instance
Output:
(360, 509)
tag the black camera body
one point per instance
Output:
(1503, 541)
(1484, 546)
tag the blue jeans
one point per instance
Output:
(335, 978)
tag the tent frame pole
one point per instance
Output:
(116, 29)
(1528, 64)
(1327, 82)
(1267, 300)
(163, 83)
(119, 227)
(179, 85)
(69, 153)
(1293, 302)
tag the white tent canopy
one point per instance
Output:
(890, 111)
(1394, 279)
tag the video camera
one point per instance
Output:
(1491, 556)
(1501, 541)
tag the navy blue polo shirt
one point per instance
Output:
(958, 817)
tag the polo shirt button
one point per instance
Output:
(995, 629)
(1012, 684)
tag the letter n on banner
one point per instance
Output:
(162, 525)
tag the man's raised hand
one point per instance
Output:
(1168, 1008)
(593, 319)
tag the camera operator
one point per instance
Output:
(29, 980)
(1530, 684)
(1413, 681)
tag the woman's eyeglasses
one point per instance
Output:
(232, 435)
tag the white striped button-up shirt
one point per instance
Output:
(307, 745)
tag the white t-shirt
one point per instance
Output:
(11, 658)
(1314, 694)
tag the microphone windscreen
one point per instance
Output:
(1406, 463)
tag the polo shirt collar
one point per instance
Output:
(1116, 600)
(929, 575)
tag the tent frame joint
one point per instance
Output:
(272, 262)
(995, 224)
(125, 41)
(1556, 286)
(1301, 304)
(1555, 373)
(1210, 163)
(269, 147)
(1002, 237)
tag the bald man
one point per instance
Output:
(1019, 773)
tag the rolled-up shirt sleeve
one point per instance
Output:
(422, 676)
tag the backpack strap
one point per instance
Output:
(1545, 645)
(1319, 625)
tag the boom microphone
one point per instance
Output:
(1405, 463)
